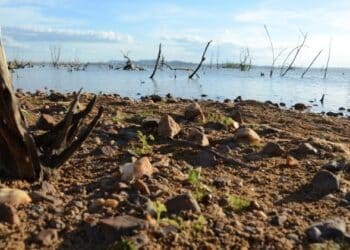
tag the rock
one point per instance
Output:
(347, 197)
(198, 137)
(237, 116)
(334, 166)
(112, 203)
(306, 149)
(300, 106)
(114, 228)
(109, 151)
(183, 202)
(8, 214)
(246, 135)
(168, 127)
(47, 237)
(205, 158)
(222, 182)
(291, 161)
(333, 229)
(278, 220)
(272, 149)
(46, 122)
(194, 111)
(14, 197)
(325, 182)
(136, 170)
(156, 98)
(142, 187)
(150, 123)
(56, 96)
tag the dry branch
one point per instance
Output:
(328, 59)
(312, 62)
(273, 51)
(201, 62)
(157, 61)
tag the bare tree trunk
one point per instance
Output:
(24, 155)
(201, 62)
(295, 56)
(157, 61)
(272, 49)
(308, 68)
(328, 59)
(55, 52)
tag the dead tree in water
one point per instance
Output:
(175, 69)
(157, 61)
(312, 62)
(25, 155)
(272, 49)
(55, 52)
(245, 60)
(130, 65)
(328, 59)
(298, 49)
(201, 62)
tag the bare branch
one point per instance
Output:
(157, 61)
(312, 62)
(328, 59)
(201, 62)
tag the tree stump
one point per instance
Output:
(24, 155)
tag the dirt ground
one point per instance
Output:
(239, 203)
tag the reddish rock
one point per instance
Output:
(46, 122)
(194, 111)
(168, 127)
(183, 202)
(47, 237)
(8, 214)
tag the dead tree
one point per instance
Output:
(272, 49)
(328, 59)
(157, 61)
(175, 69)
(245, 60)
(55, 52)
(201, 62)
(312, 62)
(130, 65)
(25, 155)
(290, 66)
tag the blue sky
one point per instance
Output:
(99, 30)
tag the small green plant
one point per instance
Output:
(124, 245)
(194, 178)
(225, 121)
(142, 147)
(119, 118)
(158, 207)
(237, 203)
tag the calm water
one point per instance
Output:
(216, 84)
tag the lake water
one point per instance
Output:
(215, 83)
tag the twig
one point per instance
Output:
(328, 59)
(157, 61)
(315, 58)
(201, 62)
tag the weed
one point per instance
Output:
(237, 203)
(194, 177)
(124, 245)
(142, 147)
(225, 121)
(158, 207)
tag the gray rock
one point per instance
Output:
(205, 158)
(306, 149)
(272, 149)
(183, 202)
(278, 220)
(334, 166)
(334, 229)
(8, 214)
(150, 123)
(325, 182)
(112, 229)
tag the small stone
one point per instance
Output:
(272, 149)
(111, 203)
(300, 106)
(112, 229)
(150, 123)
(334, 166)
(183, 202)
(46, 122)
(205, 158)
(246, 135)
(14, 197)
(47, 237)
(198, 137)
(278, 220)
(98, 140)
(291, 161)
(332, 229)
(167, 127)
(237, 116)
(306, 149)
(325, 182)
(194, 111)
(136, 170)
(222, 182)
(8, 214)
(109, 151)
(261, 214)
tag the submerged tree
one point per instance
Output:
(25, 155)
(55, 52)
(245, 60)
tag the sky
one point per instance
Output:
(102, 30)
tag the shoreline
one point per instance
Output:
(253, 190)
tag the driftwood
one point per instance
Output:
(328, 59)
(25, 155)
(201, 62)
(312, 62)
(157, 61)
(175, 69)
(298, 49)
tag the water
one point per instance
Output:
(216, 84)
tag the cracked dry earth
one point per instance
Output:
(261, 201)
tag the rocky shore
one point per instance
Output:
(168, 173)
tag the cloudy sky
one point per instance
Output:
(98, 30)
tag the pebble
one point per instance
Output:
(47, 237)
(325, 182)
(168, 127)
(8, 214)
(272, 149)
(246, 135)
(14, 197)
(331, 229)
(183, 202)
(194, 111)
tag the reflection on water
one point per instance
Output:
(216, 84)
